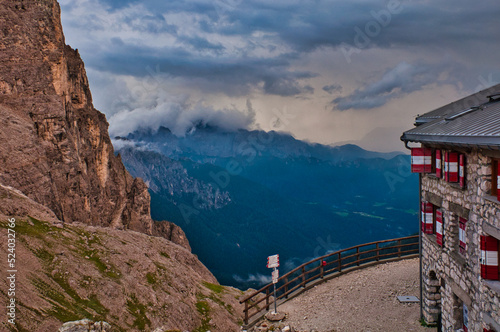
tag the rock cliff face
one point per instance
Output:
(135, 282)
(55, 146)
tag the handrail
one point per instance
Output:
(329, 264)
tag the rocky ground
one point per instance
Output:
(134, 282)
(363, 300)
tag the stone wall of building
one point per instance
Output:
(451, 279)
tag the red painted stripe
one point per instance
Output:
(438, 164)
(461, 170)
(453, 167)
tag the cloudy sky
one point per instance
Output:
(326, 71)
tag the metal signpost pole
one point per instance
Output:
(272, 263)
(275, 298)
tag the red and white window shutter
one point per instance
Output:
(421, 160)
(461, 235)
(498, 181)
(439, 172)
(427, 216)
(451, 166)
(439, 227)
(461, 170)
(489, 257)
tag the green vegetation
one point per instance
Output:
(44, 255)
(204, 310)
(151, 277)
(108, 270)
(64, 309)
(138, 310)
(425, 324)
(164, 254)
(213, 287)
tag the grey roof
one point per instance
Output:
(471, 121)
(475, 99)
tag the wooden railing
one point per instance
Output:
(329, 266)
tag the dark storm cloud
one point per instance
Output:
(271, 35)
(332, 88)
(200, 43)
(403, 79)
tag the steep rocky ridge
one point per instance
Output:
(55, 144)
(135, 282)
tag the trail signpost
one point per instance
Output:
(273, 262)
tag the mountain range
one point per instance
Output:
(243, 195)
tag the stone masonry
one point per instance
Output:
(451, 279)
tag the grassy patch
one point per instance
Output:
(204, 310)
(342, 214)
(213, 287)
(164, 254)
(138, 310)
(36, 229)
(44, 255)
(151, 278)
(65, 309)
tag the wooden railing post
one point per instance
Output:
(246, 311)
(357, 256)
(304, 276)
(321, 269)
(339, 262)
(399, 248)
(267, 298)
(286, 287)
(378, 252)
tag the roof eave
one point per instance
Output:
(488, 142)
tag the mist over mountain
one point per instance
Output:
(243, 195)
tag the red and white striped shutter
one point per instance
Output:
(439, 227)
(427, 211)
(446, 166)
(489, 257)
(461, 170)
(461, 235)
(427, 160)
(421, 160)
(438, 164)
(498, 180)
(453, 167)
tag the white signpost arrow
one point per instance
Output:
(273, 262)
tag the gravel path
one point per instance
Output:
(363, 300)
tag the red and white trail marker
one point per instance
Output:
(273, 261)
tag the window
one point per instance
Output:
(427, 210)
(421, 160)
(495, 178)
(451, 166)
(489, 257)
(439, 227)
(462, 245)
(465, 319)
(432, 221)
(439, 164)
(461, 170)
(454, 167)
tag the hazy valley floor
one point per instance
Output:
(364, 300)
